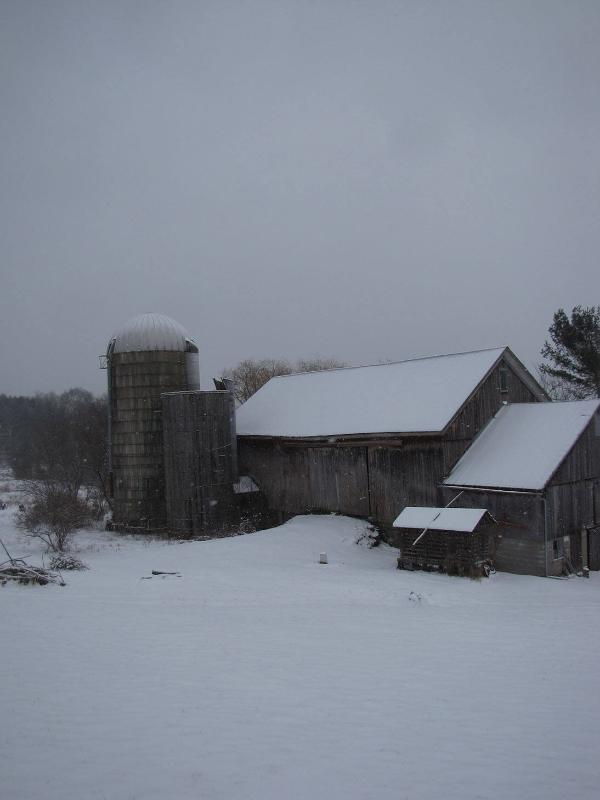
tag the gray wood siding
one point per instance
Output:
(519, 536)
(407, 475)
(200, 460)
(573, 495)
(522, 557)
(570, 506)
(297, 479)
(480, 408)
(583, 461)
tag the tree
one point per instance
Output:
(53, 513)
(60, 437)
(573, 353)
(56, 437)
(249, 375)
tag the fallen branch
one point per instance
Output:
(17, 569)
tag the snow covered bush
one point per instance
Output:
(53, 513)
(64, 562)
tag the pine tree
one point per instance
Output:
(574, 351)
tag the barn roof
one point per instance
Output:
(409, 397)
(440, 519)
(523, 445)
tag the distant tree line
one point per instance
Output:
(250, 375)
(60, 438)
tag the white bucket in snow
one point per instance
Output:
(322, 558)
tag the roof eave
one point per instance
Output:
(342, 437)
(497, 489)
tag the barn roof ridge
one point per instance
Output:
(500, 349)
(417, 396)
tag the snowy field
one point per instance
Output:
(260, 674)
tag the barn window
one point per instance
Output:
(503, 378)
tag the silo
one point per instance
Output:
(150, 355)
(200, 461)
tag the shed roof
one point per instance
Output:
(150, 332)
(523, 445)
(415, 396)
(440, 519)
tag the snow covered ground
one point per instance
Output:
(260, 673)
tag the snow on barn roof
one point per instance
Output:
(440, 519)
(523, 445)
(150, 332)
(415, 396)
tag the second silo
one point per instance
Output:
(150, 355)
(200, 461)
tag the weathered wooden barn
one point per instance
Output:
(536, 468)
(474, 430)
(368, 441)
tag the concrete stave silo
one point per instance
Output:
(152, 354)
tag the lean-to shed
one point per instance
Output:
(458, 541)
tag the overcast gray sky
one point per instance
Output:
(365, 180)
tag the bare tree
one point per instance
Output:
(250, 375)
(53, 513)
(557, 388)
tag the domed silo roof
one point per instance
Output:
(148, 332)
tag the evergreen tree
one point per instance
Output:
(573, 352)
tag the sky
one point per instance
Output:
(369, 181)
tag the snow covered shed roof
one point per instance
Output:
(523, 445)
(440, 519)
(415, 396)
(151, 332)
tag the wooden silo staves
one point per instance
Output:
(200, 461)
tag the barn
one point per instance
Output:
(536, 468)
(368, 441)
(388, 442)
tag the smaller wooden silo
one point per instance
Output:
(458, 541)
(200, 457)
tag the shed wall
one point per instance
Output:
(583, 461)
(519, 540)
(573, 497)
(447, 551)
